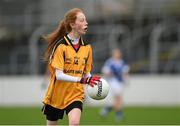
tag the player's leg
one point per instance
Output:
(74, 113)
(118, 107)
(108, 108)
(74, 117)
(104, 111)
(118, 102)
(117, 98)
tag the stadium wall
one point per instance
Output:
(143, 90)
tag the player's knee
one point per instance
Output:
(74, 122)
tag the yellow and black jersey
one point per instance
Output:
(71, 61)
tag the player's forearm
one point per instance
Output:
(126, 78)
(64, 77)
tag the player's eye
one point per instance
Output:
(81, 20)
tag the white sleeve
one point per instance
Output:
(126, 69)
(87, 75)
(106, 69)
(64, 77)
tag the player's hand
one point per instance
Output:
(93, 80)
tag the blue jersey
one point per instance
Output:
(116, 67)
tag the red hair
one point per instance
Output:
(63, 28)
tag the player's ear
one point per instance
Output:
(72, 25)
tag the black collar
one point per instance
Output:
(68, 41)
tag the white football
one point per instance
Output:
(99, 91)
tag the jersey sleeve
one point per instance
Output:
(88, 66)
(106, 67)
(125, 69)
(58, 58)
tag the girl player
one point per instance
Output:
(70, 63)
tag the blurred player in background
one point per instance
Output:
(115, 71)
(70, 62)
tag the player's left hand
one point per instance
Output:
(93, 80)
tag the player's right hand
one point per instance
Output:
(93, 80)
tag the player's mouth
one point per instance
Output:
(85, 29)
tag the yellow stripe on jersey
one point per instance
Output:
(82, 41)
(67, 40)
(52, 53)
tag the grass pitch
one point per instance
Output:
(132, 115)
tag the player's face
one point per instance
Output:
(116, 54)
(80, 25)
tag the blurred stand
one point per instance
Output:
(148, 32)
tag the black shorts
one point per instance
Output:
(53, 114)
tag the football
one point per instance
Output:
(99, 91)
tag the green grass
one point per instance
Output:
(132, 115)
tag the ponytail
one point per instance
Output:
(53, 37)
(63, 28)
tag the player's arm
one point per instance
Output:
(88, 67)
(64, 77)
(106, 70)
(86, 79)
(126, 74)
